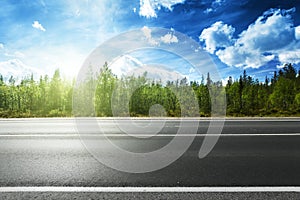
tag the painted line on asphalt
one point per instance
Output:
(149, 189)
(146, 135)
(73, 121)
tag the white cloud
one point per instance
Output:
(17, 69)
(214, 6)
(16, 54)
(19, 54)
(192, 70)
(169, 38)
(218, 2)
(158, 73)
(225, 80)
(147, 33)
(11, 53)
(280, 66)
(292, 56)
(122, 65)
(208, 10)
(148, 7)
(271, 36)
(216, 36)
(37, 25)
(127, 65)
(297, 33)
(238, 57)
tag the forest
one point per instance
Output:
(110, 95)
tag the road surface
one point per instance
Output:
(49, 152)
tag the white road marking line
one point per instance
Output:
(146, 135)
(150, 189)
(110, 120)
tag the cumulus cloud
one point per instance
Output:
(271, 37)
(147, 33)
(216, 36)
(37, 25)
(1, 46)
(148, 7)
(274, 32)
(122, 65)
(290, 56)
(169, 38)
(127, 65)
(157, 72)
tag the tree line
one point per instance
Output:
(106, 95)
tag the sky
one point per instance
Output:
(40, 36)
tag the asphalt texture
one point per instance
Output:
(48, 152)
(161, 196)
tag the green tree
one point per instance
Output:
(105, 85)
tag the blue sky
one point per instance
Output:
(41, 35)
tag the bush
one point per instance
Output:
(57, 113)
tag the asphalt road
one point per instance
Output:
(48, 152)
(68, 126)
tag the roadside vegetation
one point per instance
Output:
(278, 95)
